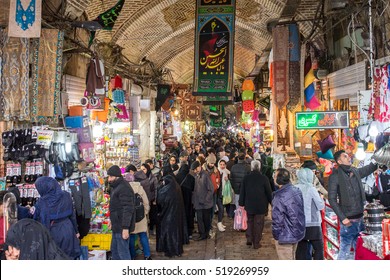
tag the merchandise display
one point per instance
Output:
(331, 232)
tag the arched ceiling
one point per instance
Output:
(162, 31)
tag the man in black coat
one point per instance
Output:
(255, 195)
(122, 213)
(237, 174)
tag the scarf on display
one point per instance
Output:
(25, 18)
(46, 76)
(14, 95)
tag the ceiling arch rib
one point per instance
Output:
(148, 11)
(246, 35)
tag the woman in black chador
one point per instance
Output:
(171, 224)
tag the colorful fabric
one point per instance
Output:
(280, 88)
(310, 98)
(294, 66)
(348, 141)
(46, 76)
(14, 95)
(24, 21)
(313, 103)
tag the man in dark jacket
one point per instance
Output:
(347, 198)
(288, 216)
(202, 199)
(255, 195)
(237, 174)
(122, 213)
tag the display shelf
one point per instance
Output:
(331, 223)
(331, 232)
(331, 240)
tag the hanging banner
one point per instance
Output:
(163, 92)
(214, 47)
(280, 87)
(294, 66)
(107, 19)
(25, 18)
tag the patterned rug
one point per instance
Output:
(294, 67)
(280, 88)
(14, 95)
(46, 76)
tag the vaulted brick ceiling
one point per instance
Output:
(163, 30)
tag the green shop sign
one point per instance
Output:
(322, 120)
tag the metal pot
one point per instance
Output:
(375, 208)
(373, 228)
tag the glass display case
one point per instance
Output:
(330, 232)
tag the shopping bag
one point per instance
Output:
(227, 193)
(240, 219)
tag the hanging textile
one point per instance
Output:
(294, 67)
(46, 76)
(14, 95)
(107, 19)
(25, 18)
(280, 88)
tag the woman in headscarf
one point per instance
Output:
(30, 240)
(187, 184)
(153, 186)
(225, 173)
(170, 167)
(313, 204)
(171, 224)
(55, 211)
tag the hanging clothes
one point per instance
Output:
(14, 90)
(95, 77)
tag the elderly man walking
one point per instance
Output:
(255, 195)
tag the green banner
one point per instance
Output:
(322, 120)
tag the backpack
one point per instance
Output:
(139, 208)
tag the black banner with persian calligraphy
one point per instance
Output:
(214, 47)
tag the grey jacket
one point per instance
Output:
(312, 202)
(348, 201)
(202, 197)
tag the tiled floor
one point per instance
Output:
(228, 245)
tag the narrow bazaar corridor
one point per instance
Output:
(228, 245)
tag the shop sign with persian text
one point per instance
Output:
(322, 120)
(214, 47)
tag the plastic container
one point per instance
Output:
(97, 241)
(76, 122)
(77, 110)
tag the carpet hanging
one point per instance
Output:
(280, 87)
(46, 77)
(14, 95)
(294, 66)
